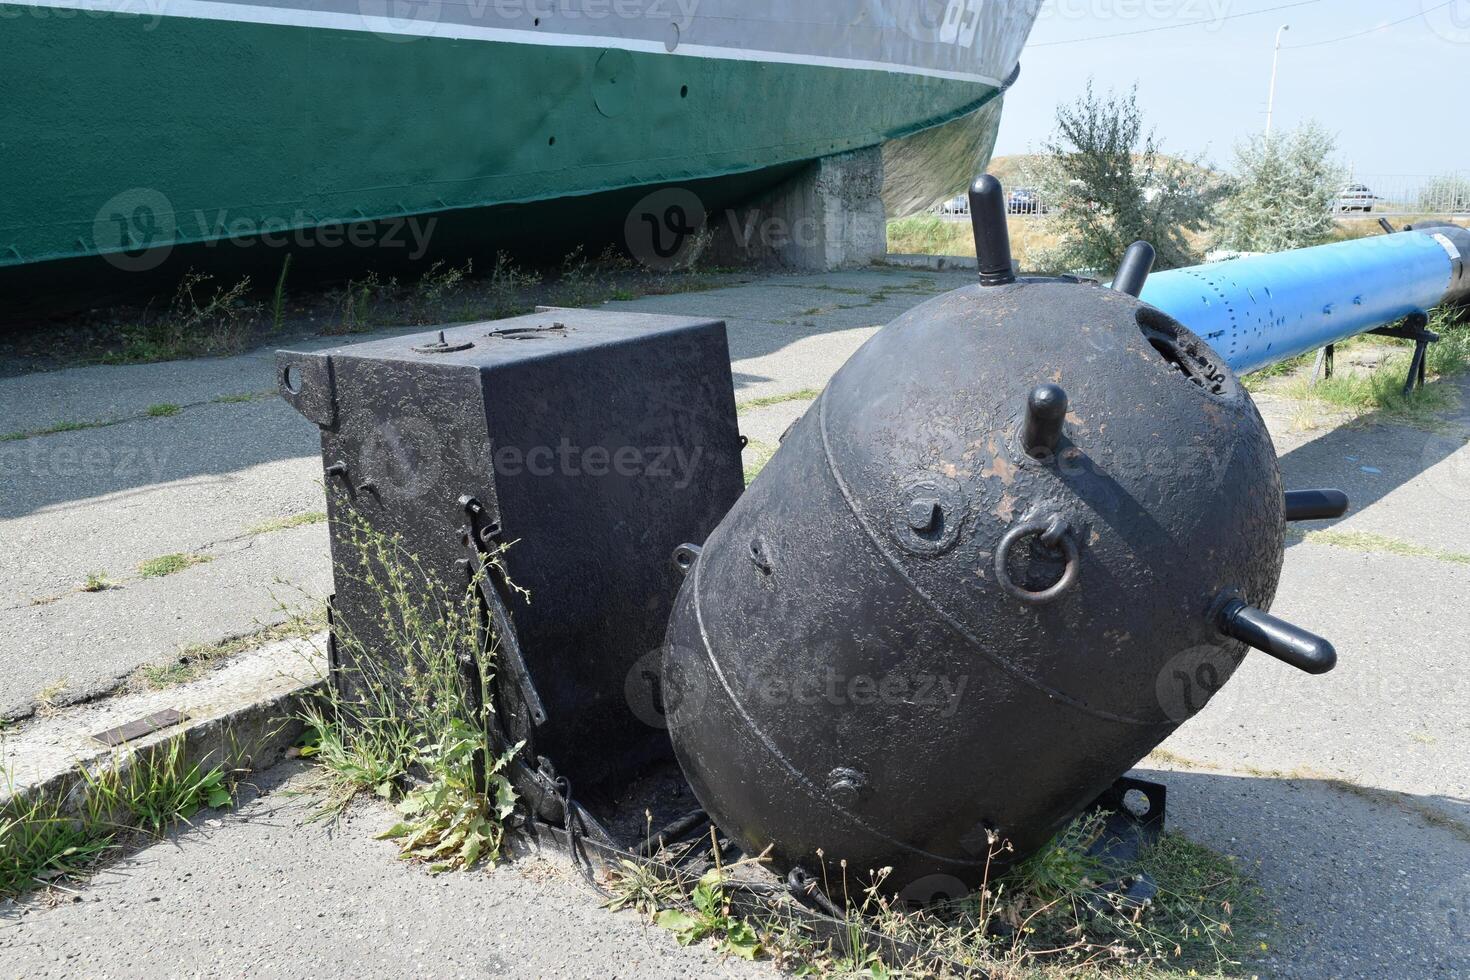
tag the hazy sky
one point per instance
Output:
(1397, 98)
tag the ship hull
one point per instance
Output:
(138, 132)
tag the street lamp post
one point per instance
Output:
(1275, 58)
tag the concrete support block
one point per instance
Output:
(829, 216)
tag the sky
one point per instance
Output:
(1396, 98)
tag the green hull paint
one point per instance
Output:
(132, 132)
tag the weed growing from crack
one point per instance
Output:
(41, 843)
(169, 564)
(286, 523)
(805, 394)
(409, 718)
(47, 838)
(96, 582)
(1051, 915)
(197, 659)
(160, 788)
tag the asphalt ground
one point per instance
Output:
(1348, 791)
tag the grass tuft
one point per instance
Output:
(169, 564)
(197, 659)
(285, 523)
(96, 582)
(278, 298)
(162, 410)
(1380, 389)
(49, 430)
(49, 838)
(1381, 544)
(805, 394)
(757, 455)
(40, 843)
(160, 788)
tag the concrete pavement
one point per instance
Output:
(212, 478)
(265, 891)
(1350, 790)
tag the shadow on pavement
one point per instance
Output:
(1367, 883)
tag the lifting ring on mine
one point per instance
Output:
(1055, 533)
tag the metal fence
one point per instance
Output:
(1362, 195)
(1023, 203)
(1440, 195)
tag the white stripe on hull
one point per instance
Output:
(287, 16)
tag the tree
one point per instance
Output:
(1285, 189)
(1106, 185)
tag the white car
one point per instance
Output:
(1356, 197)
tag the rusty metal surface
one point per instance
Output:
(143, 726)
(592, 442)
(854, 674)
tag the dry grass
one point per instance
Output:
(1046, 918)
(1033, 235)
(1349, 229)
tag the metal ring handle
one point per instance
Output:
(1056, 534)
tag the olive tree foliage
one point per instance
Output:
(1107, 183)
(1283, 193)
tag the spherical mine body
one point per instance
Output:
(912, 637)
